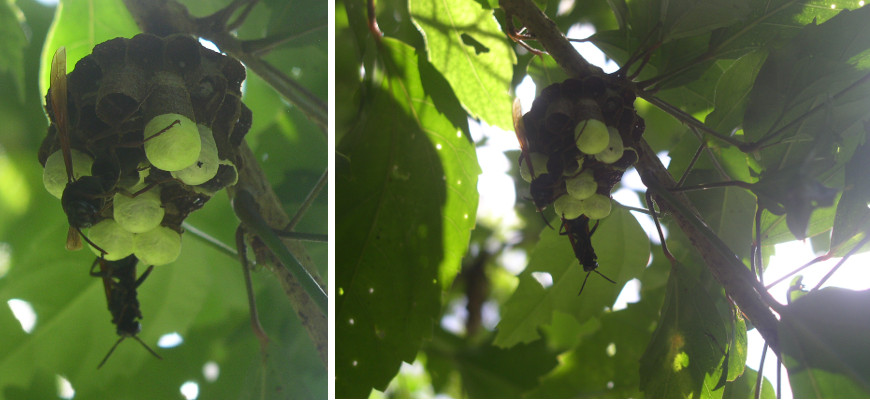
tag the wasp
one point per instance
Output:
(120, 284)
(580, 236)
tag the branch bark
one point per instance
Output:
(739, 283)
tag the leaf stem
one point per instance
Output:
(210, 240)
(246, 210)
(312, 195)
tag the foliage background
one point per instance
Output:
(201, 296)
(446, 61)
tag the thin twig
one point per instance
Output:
(312, 195)
(252, 302)
(310, 237)
(843, 260)
(246, 210)
(667, 253)
(210, 240)
(760, 377)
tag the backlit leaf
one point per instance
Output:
(465, 43)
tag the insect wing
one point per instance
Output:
(59, 106)
(520, 130)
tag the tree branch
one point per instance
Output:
(253, 180)
(739, 283)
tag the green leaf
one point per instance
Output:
(79, 26)
(732, 92)
(404, 212)
(12, 43)
(820, 63)
(623, 251)
(605, 363)
(465, 43)
(824, 335)
(684, 357)
(771, 22)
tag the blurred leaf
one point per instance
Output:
(303, 22)
(728, 211)
(744, 387)
(737, 348)
(604, 364)
(466, 45)
(545, 72)
(793, 192)
(817, 383)
(405, 211)
(684, 357)
(823, 333)
(623, 250)
(491, 372)
(853, 217)
(12, 42)
(620, 10)
(79, 26)
(774, 228)
(771, 22)
(684, 18)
